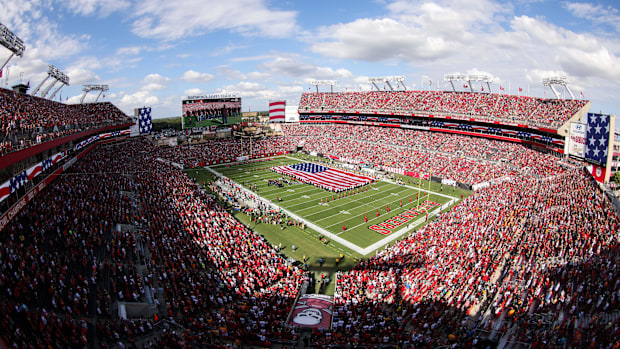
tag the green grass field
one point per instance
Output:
(303, 201)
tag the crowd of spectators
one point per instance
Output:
(541, 112)
(223, 150)
(456, 157)
(65, 261)
(450, 156)
(532, 259)
(524, 250)
(26, 120)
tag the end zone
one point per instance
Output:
(388, 226)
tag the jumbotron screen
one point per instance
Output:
(211, 110)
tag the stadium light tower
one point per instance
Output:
(558, 80)
(11, 42)
(469, 78)
(331, 84)
(60, 77)
(57, 75)
(89, 88)
(387, 79)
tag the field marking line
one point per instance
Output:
(386, 213)
(409, 228)
(360, 204)
(362, 251)
(309, 224)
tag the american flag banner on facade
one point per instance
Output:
(597, 138)
(5, 190)
(323, 176)
(144, 118)
(277, 111)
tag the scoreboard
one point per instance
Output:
(211, 110)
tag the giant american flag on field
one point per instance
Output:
(323, 176)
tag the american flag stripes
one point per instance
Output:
(323, 176)
(277, 111)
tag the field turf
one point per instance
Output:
(324, 237)
(330, 214)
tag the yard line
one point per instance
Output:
(362, 251)
(383, 201)
(331, 207)
(302, 191)
(344, 204)
(403, 209)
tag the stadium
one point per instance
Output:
(378, 219)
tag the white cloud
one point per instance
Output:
(44, 41)
(289, 65)
(193, 91)
(137, 99)
(194, 76)
(117, 63)
(129, 51)
(580, 55)
(154, 82)
(90, 7)
(379, 40)
(597, 14)
(227, 49)
(230, 74)
(156, 78)
(79, 76)
(412, 32)
(169, 20)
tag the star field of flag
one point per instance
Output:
(144, 118)
(597, 138)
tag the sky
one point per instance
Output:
(157, 52)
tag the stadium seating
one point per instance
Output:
(531, 259)
(223, 150)
(460, 158)
(537, 112)
(26, 120)
(215, 272)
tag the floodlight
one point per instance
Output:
(11, 42)
(89, 88)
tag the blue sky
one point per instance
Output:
(156, 52)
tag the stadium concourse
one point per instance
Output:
(531, 260)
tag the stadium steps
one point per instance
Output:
(601, 318)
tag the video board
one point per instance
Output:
(211, 110)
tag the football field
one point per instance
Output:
(362, 219)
